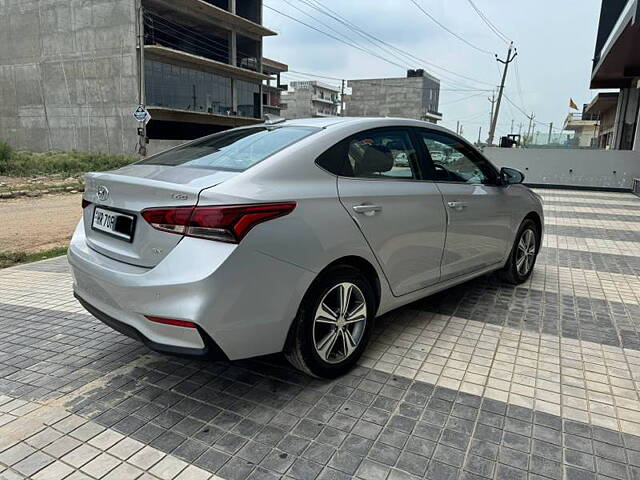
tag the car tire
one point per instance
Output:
(523, 254)
(324, 329)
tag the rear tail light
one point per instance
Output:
(222, 223)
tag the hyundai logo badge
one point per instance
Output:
(103, 193)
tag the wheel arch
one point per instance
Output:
(355, 261)
(364, 266)
(535, 217)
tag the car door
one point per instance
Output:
(478, 211)
(401, 216)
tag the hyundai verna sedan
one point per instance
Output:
(295, 235)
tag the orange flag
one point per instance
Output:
(572, 104)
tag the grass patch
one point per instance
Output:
(28, 164)
(9, 259)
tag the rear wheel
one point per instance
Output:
(523, 254)
(334, 323)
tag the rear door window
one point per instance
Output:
(379, 153)
(233, 150)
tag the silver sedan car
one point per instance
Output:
(293, 236)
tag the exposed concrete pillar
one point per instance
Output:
(619, 120)
(234, 94)
(233, 49)
(232, 6)
(636, 141)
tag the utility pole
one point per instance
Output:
(342, 99)
(479, 134)
(506, 63)
(512, 120)
(550, 132)
(458, 127)
(493, 102)
(529, 131)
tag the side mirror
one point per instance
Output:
(511, 176)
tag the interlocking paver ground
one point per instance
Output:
(484, 380)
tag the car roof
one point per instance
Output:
(368, 122)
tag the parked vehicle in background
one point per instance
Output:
(294, 236)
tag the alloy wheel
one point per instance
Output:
(339, 322)
(526, 252)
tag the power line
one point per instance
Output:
(314, 75)
(490, 24)
(336, 38)
(445, 28)
(529, 116)
(457, 100)
(386, 46)
(519, 85)
(400, 51)
(337, 32)
(351, 27)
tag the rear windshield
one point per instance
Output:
(233, 150)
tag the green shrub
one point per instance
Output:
(9, 259)
(5, 153)
(25, 164)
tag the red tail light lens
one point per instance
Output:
(171, 321)
(222, 223)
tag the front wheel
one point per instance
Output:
(333, 324)
(523, 254)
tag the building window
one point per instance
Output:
(183, 88)
(249, 99)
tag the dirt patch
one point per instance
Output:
(37, 224)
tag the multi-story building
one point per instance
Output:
(585, 125)
(72, 72)
(272, 94)
(415, 96)
(604, 107)
(616, 64)
(311, 99)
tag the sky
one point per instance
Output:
(555, 41)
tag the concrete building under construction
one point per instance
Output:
(72, 72)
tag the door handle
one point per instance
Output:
(457, 205)
(367, 209)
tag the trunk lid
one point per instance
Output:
(132, 189)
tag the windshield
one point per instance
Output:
(233, 150)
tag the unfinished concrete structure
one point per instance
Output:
(311, 99)
(272, 91)
(415, 96)
(72, 72)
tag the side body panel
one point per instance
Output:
(407, 234)
(479, 227)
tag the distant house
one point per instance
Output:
(311, 99)
(415, 96)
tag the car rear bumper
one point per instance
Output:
(210, 349)
(244, 302)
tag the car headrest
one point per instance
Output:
(374, 159)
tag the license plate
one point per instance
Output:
(117, 224)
